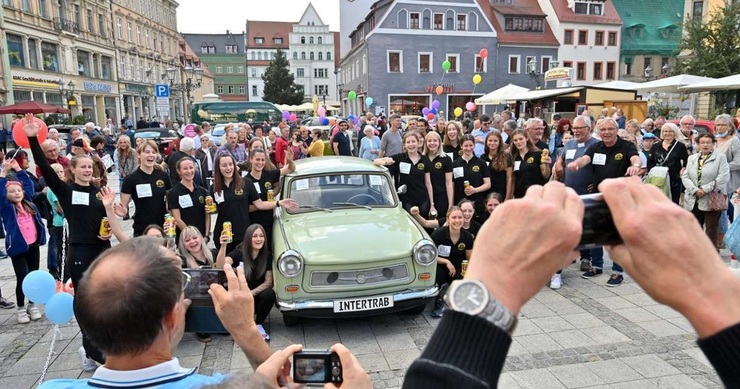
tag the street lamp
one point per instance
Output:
(193, 81)
(67, 92)
(533, 73)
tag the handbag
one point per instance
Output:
(717, 201)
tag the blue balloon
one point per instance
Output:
(433, 110)
(369, 101)
(39, 286)
(325, 121)
(59, 309)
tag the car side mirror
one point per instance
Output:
(401, 189)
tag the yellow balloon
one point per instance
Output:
(477, 79)
(458, 112)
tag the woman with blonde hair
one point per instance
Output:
(441, 171)
(670, 153)
(125, 158)
(195, 254)
(648, 125)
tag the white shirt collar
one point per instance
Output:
(153, 376)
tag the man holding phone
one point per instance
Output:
(612, 157)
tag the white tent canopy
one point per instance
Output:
(619, 84)
(725, 83)
(671, 84)
(544, 93)
(501, 95)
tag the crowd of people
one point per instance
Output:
(456, 176)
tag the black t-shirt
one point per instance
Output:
(192, 206)
(148, 191)
(610, 162)
(82, 205)
(675, 161)
(454, 151)
(453, 251)
(527, 172)
(252, 281)
(269, 180)
(172, 165)
(473, 171)
(474, 228)
(413, 175)
(498, 177)
(342, 141)
(233, 206)
(440, 166)
(542, 145)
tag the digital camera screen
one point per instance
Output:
(310, 369)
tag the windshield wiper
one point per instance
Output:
(314, 207)
(354, 205)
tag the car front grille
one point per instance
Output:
(373, 276)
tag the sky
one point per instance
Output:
(217, 16)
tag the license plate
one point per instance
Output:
(363, 304)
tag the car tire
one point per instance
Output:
(417, 310)
(291, 321)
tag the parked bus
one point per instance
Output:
(216, 112)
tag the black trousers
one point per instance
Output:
(263, 303)
(22, 265)
(79, 260)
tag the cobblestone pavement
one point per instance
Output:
(583, 335)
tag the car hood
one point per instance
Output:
(356, 235)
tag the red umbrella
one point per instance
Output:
(32, 107)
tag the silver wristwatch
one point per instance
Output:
(472, 297)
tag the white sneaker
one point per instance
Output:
(33, 312)
(556, 281)
(87, 363)
(23, 316)
(264, 333)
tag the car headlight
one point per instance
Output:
(425, 253)
(290, 263)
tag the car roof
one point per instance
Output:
(334, 164)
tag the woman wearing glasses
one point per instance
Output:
(670, 153)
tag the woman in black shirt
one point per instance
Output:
(452, 140)
(500, 164)
(412, 169)
(469, 223)
(454, 246)
(254, 257)
(440, 172)
(84, 210)
(473, 171)
(530, 166)
(671, 153)
(187, 202)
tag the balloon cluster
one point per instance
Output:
(40, 287)
(430, 113)
(354, 119)
(289, 116)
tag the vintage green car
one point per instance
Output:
(350, 250)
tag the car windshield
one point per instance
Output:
(327, 192)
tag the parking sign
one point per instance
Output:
(162, 90)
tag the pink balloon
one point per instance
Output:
(293, 117)
(322, 111)
(470, 106)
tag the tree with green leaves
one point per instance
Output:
(280, 86)
(711, 48)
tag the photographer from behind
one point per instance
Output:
(469, 347)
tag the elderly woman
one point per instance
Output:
(648, 126)
(671, 153)
(633, 127)
(729, 144)
(61, 144)
(369, 144)
(706, 171)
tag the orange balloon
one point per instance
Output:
(19, 136)
(439, 89)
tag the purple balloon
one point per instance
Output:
(435, 104)
(425, 111)
(286, 115)
(356, 120)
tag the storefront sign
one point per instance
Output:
(448, 88)
(97, 87)
(558, 74)
(136, 88)
(34, 81)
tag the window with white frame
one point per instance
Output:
(219, 89)
(514, 64)
(300, 72)
(254, 90)
(123, 66)
(454, 60)
(545, 63)
(119, 23)
(439, 21)
(130, 32)
(230, 89)
(462, 22)
(414, 20)
(481, 64)
(395, 61)
(240, 69)
(425, 62)
(589, 7)
(219, 69)
(242, 89)
(230, 69)
(254, 72)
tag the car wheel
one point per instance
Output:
(417, 310)
(291, 321)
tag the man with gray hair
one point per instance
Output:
(535, 128)
(687, 124)
(509, 127)
(91, 131)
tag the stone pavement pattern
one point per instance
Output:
(583, 335)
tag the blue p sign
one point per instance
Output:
(162, 90)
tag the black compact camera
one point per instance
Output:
(200, 283)
(598, 224)
(311, 366)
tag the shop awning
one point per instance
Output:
(544, 93)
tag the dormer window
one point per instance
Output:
(589, 7)
(232, 49)
(259, 40)
(524, 23)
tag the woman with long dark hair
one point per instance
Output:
(266, 176)
(530, 167)
(500, 164)
(254, 257)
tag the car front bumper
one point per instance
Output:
(402, 301)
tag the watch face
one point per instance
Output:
(470, 298)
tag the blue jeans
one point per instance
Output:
(597, 260)
(52, 255)
(724, 222)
